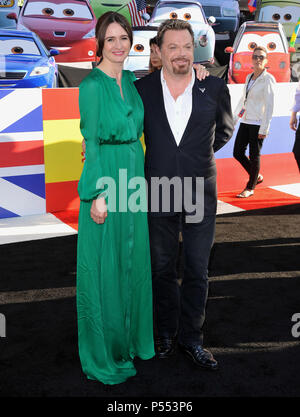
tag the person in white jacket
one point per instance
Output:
(293, 125)
(255, 110)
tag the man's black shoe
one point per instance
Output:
(200, 356)
(164, 346)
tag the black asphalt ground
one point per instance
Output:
(254, 294)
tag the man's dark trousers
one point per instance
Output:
(180, 307)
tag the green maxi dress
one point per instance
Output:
(114, 290)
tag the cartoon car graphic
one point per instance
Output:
(68, 26)
(227, 14)
(25, 61)
(7, 7)
(139, 55)
(252, 34)
(192, 12)
(125, 7)
(285, 12)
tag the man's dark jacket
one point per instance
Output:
(209, 128)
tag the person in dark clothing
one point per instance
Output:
(185, 122)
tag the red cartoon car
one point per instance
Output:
(68, 26)
(252, 34)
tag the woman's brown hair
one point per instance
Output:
(102, 24)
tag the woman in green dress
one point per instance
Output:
(114, 290)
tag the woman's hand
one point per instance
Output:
(83, 146)
(99, 210)
(201, 71)
(293, 121)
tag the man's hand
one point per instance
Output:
(201, 71)
(262, 136)
(99, 210)
(293, 121)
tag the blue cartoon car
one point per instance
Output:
(25, 61)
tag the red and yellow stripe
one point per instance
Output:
(62, 148)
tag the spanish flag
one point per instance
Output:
(62, 148)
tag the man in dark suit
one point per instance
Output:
(186, 121)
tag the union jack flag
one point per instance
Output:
(22, 169)
(252, 5)
(136, 9)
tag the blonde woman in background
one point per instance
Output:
(255, 110)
